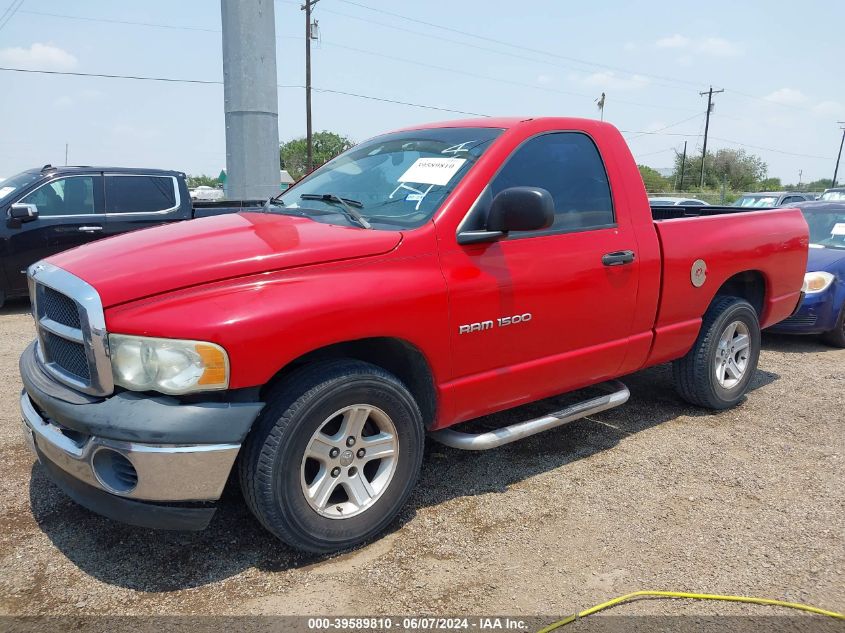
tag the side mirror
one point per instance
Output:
(23, 212)
(514, 209)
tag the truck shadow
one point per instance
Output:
(794, 343)
(153, 561)
(15, 306)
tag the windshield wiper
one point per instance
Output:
(346, 204)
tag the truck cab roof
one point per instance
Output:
(84, 169)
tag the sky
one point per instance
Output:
(780, 64)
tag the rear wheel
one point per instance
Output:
(836, 336)
(333, 456)
(715, 373)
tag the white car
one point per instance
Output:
(206, 193)
(669, 201)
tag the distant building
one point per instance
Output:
(285, 179)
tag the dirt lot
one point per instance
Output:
(656, 494)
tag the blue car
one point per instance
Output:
(823, 309)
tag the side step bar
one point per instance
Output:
(618, 395)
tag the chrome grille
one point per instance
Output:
(60, 308)
(69, 355)
(72, 338)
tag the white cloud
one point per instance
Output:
(829, 108)
(787, 96)
(38, 57)
(631, 46)
(544, 80)
(675, 41)
(717, 47)
(712, 46)
(609, 80)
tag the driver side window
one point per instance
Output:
(64, 196)
(569, 167)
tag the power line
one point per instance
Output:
(9, 13)
(220, 83)
(516, 46)
(108, 76)
(124, 22)
(771, 149)
(658, 130)
(407, 103)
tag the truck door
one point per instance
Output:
(539, 313)
(70, 213)
(139, 201)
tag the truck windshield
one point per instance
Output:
(9, 186)
(827, 228)
(834, 194)
(396, 181)
(757, 202)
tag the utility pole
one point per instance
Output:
(683, 166)
(251, 99)
(709, 94)
(66, 146)
(600, 104)
(309, 163)
(800, 176)
(839, 155)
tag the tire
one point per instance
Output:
(287, 490)
(836, 336)
(698, 378)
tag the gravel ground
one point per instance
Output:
(653, 495)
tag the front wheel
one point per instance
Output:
(715, 373)
(333, 456)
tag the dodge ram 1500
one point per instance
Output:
(423, 278)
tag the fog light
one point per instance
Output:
(114, 471)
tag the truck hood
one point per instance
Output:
(825, 259)
(166, 258)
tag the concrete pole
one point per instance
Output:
(251, 99)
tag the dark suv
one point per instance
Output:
(52, 209)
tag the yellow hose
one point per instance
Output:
(693, 596)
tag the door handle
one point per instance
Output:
(618, 258)
(90, 229)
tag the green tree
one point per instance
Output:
(770, 184)
(653, 181)
(742, 169)
(201, 180)
(293, 154)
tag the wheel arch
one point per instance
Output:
(401, 358)
(750, 285)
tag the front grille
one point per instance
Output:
(801, 319)
(69, 355)
(72, 337)
(61, 308)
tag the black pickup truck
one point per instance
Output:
(53, 209)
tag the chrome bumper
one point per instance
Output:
(164, 472)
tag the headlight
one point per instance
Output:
(167, 365)
(817, 282)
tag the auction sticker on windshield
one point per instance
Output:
(838, 229)
(4, 191)
(432, 171)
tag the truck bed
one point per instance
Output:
(674, 212)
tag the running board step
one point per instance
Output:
(618, 395)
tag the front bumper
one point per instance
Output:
(127, 455)
(817, 314)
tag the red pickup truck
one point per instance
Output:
(423, 278)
